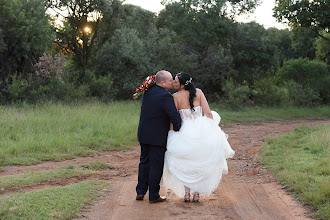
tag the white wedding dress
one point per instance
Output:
(196, 155)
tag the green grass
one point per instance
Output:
(301, 162)
(32, 178)
(257, 114)
(98, 166)
(52, 203)
(30, 134)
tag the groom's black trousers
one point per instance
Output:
(150, 170)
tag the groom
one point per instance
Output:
(157, 111)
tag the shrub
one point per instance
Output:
(102, 87)
(302, 96)
(266, 92)
(16, 91)
(235, 95)
(304, 72)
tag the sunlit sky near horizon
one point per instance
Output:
(262, 14)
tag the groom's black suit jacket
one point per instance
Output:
(157, 111)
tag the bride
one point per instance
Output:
(196, 155)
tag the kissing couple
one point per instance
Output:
(178, 141)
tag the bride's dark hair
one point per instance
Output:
(186, 80)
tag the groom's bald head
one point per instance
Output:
(162, 76)
(164, 79)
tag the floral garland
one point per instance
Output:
(147, 83)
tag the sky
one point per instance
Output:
(262, 14)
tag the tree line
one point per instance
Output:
(71, 50)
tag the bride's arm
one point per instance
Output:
(205, 105)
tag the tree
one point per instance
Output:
(165, 51)
(281, 39)
(2, 43)
(25, 34)
(303, 41)
(135, 17)
(310, 74)
(314, 14)
(125, 59)
(323, 49)
(254, 52)
(81, 21)
(221, 7)
(205, 38)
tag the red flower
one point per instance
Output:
(147, 83)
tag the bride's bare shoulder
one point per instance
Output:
(199, 92)
(176, 94)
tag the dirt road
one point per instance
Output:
(249, 191)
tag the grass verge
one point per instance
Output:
(31, 178)
(30, 134)
(257, 114)
(98, 166)
(300, 160)
(53, 203)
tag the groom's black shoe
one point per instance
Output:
(139, 197)
(160, 199)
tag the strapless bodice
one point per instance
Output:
(187, 114)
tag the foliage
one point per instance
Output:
(254, 52)
(16, 90)
(219, 7)
(300, 161)
(102, 87)
(303, 41)
(124, 58)
(126, 43)
(309, 74)
(300, 95)
(25, 34)
(282, 44)
(134, 17)
(235, 95)
(323, 49)
(266, 92)
(166, 52)
(50, 67)
(2, 43)
(301, 13)
(303, 71)
(73, 37)
(204, 43)
(47, 83)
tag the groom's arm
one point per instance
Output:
(168, 106)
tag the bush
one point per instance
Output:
(266, 92)
(302, 96)
(311, 74)
(47, 83)
(16, 91)
(102, 87)
(125, 57)
(304, 72)
(235, 95)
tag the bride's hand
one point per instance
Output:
(171, 126)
